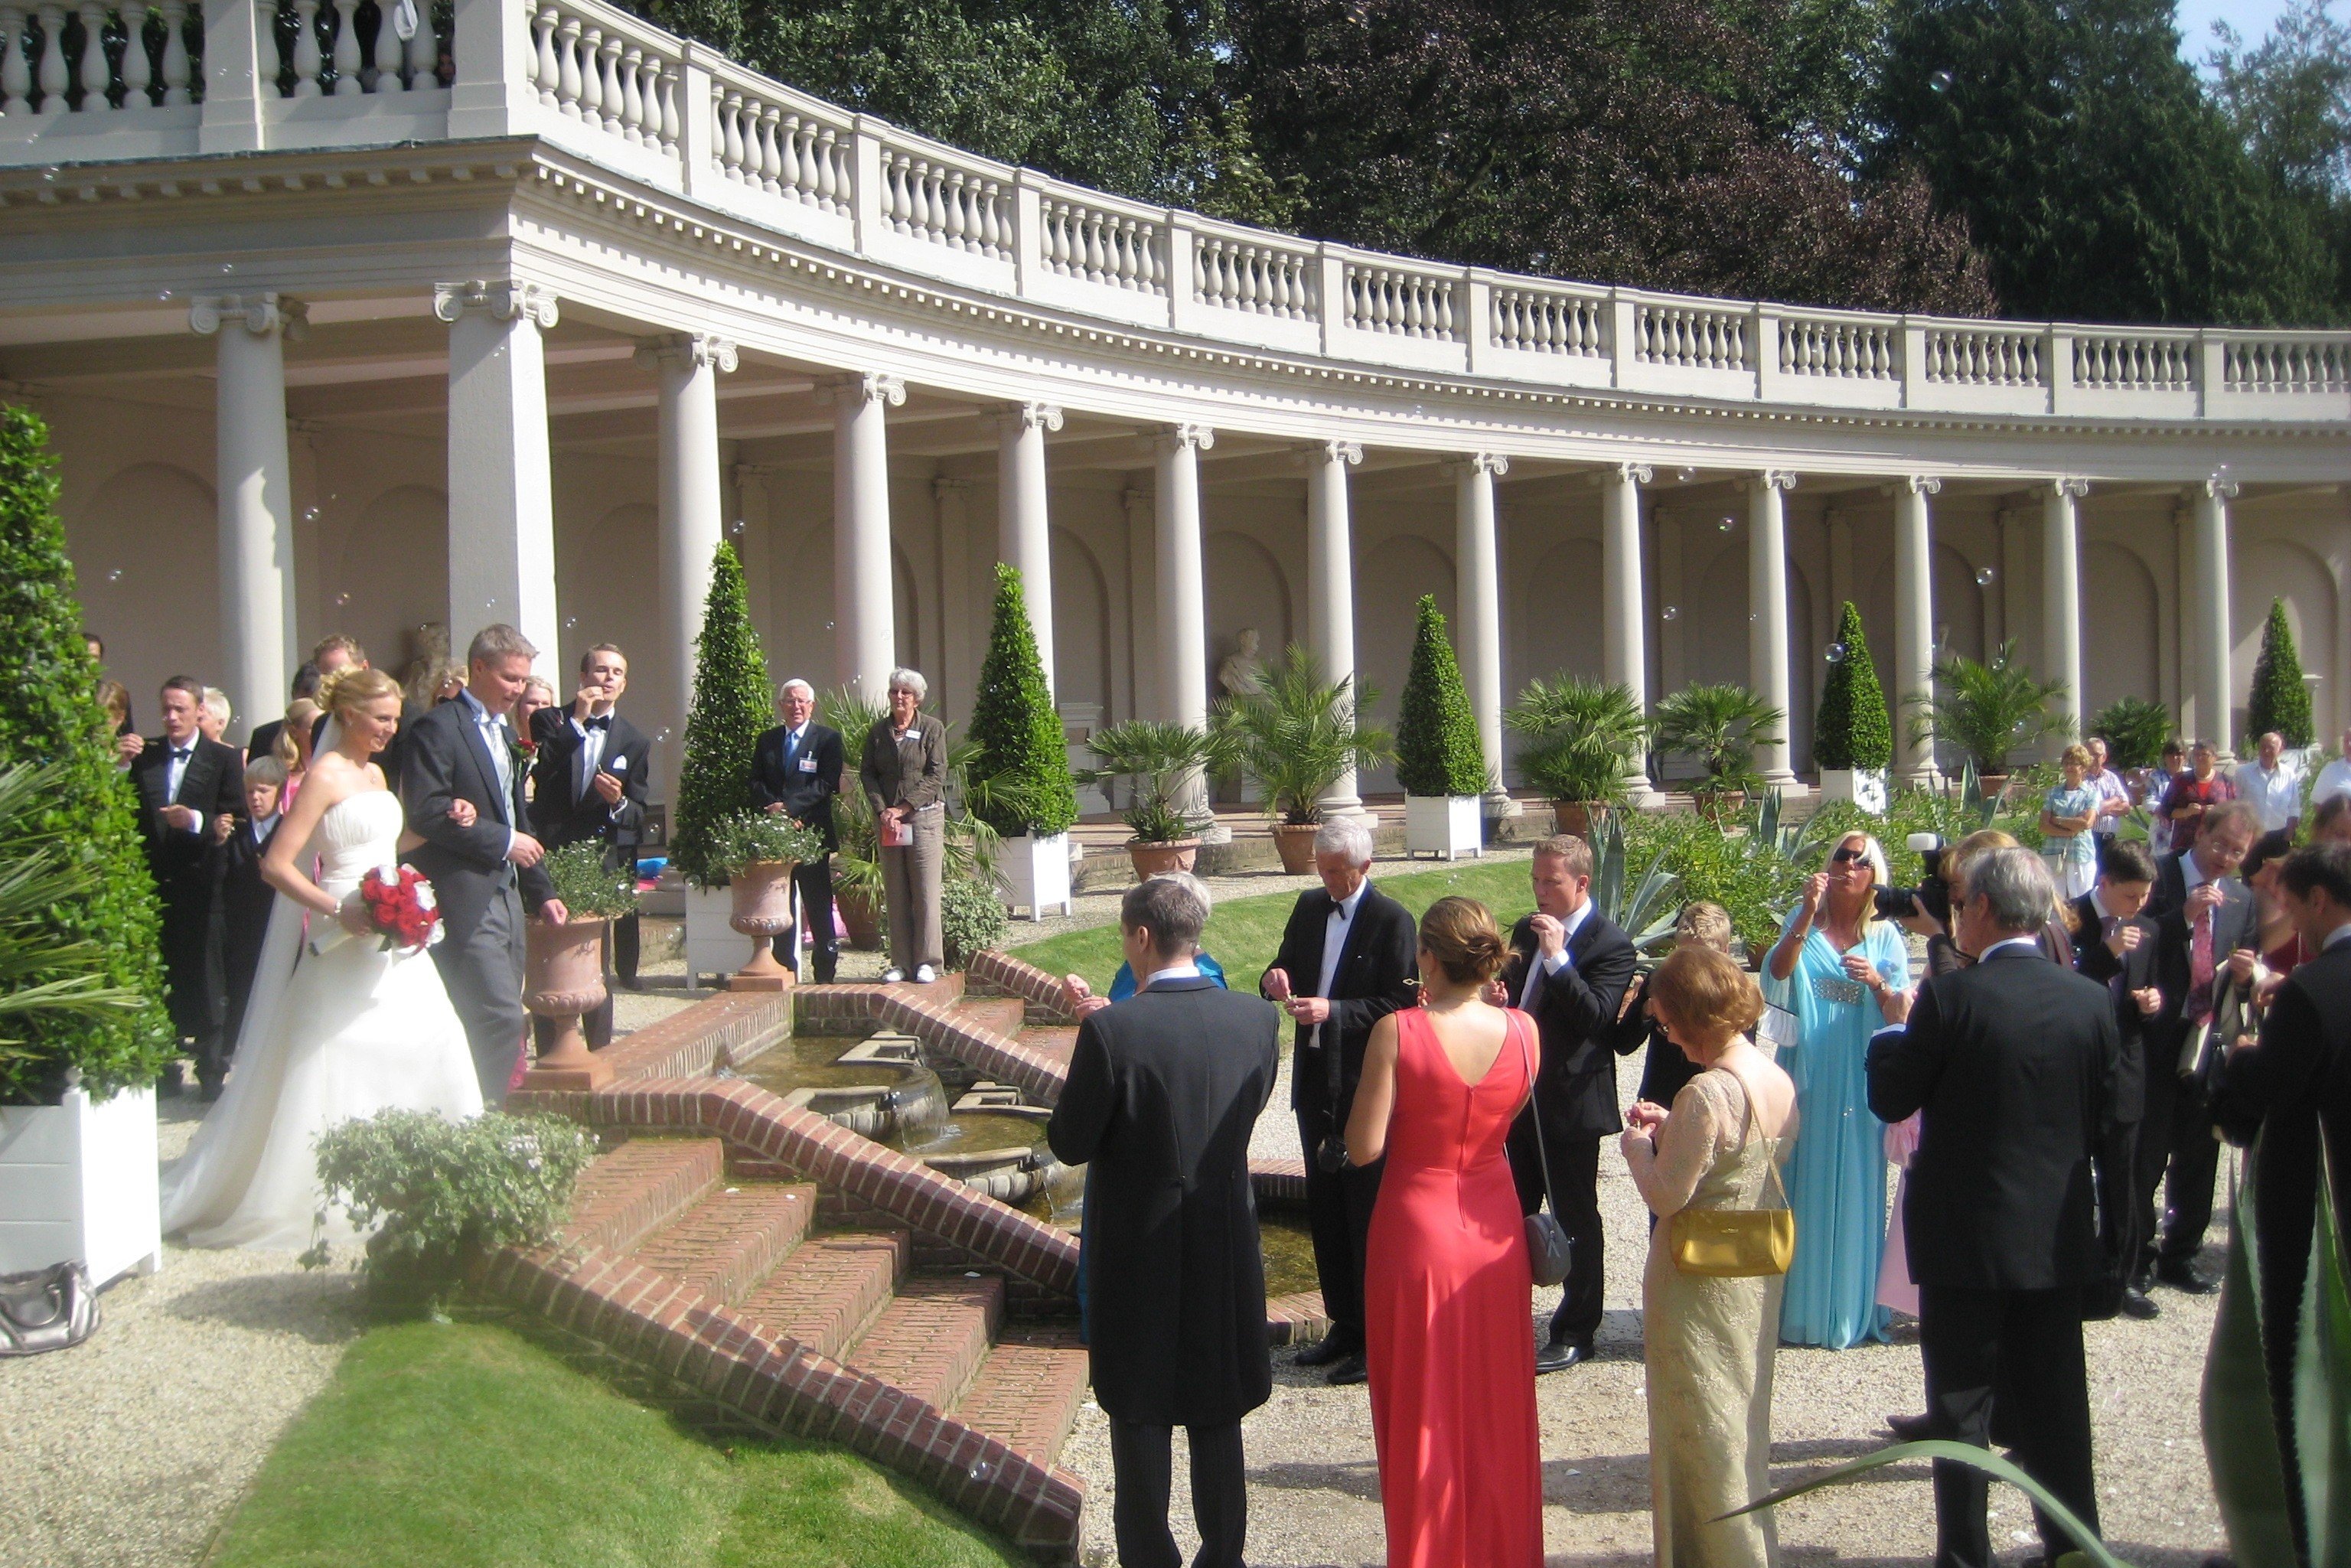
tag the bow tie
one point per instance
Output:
(181, 753)
(604, 722)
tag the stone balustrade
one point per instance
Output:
(213, 76)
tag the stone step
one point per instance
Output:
(998, 1015)
(625, 1196)
(732, 1240)
(830, 1288)
(933, 1337)
(1027, 1391)
(1057, 1040)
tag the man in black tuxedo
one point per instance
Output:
(2013, 1061)
(2117, 947)
(187, 787)
(1348, 959)
(485, 872)
(1568, 968)
(2205, 922)
(590, 776)
(1163, 1090)
(795, 772)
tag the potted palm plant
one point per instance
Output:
(759, 852)
(1439, 764)
(1719, 727)
(1986, 711)
(563, 965)
(1582, 737)
(1156, 760)
(857, 863)
(1296, 734)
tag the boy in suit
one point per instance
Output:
(187, 785)
(241, 904)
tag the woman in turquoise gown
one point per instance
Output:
(1845, 975)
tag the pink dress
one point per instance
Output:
(1450, 1340)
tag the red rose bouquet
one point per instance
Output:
(401, 908)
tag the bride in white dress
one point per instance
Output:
(328, 1036)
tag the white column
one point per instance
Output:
(501, 497)
(1478, 605)
(1331, 589)
(1767, 619)
(2210, 619)
(2061, 599)
(1024, 539)
(1182, 680)
(256, 494)
(1914, 622)
(691, 506)
(1624, 609)
(864, 642)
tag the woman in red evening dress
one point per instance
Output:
(1446, 1277)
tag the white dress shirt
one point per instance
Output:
(2274, 792)
(591, 747)
(1547, 964)
(177, 769)
(2333, 779)
(1186, 970)
(2032, 942)
(493, 728)
(1334, 942)
(2105, 784)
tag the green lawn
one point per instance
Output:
(1244, 932)
(458, 1445)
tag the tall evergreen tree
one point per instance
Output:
(729, 709)
(2280, 700)
(1853, 728)
(1019, 752)
(1437, 734)
(50, 714)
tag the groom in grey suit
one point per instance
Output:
(487, 872)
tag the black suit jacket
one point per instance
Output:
(242, 900)
(212, 783)
(1575, 1010)
(2013, 1061)
(447, 760)
(2232, 927)
(1163, 1090)
(559, 814)
(2093, 960)
(805, 789)
(1378, 972)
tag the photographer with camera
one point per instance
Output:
(1346, 961)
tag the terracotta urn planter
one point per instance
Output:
(1156, 859)
(563, 977)
(1295, 842)
(1716, 806)
(1993, 785)
(1575, 817)
(762, 893)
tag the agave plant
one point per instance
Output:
(1582, 737)
(1770, 830)
(1156, 759)
(1719, 727)
(1646, 913)
(1986, 710)
(1297, 734)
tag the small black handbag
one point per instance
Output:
(1547, 1247)
(48, 1308)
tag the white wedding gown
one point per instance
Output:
(327, 1037)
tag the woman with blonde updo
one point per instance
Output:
(1446, 1273)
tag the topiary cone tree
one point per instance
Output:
(1020, 759)
(50, 714)
(2280, 699)
(722, 723)
(1437, 734)
(1854, 729)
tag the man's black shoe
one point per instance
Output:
(1351, 1369)
(1909, 1428)
(1559, 1355)
(2182, 1277)
(1323, 1352)
(2137, 1304)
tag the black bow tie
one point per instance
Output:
(605, 721)
(181, 753)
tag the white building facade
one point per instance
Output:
(328, 345)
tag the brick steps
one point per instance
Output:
(998, 1015)
(1028, 1390)
(832, 1288)
(931, 1338)
(1056, 1040)
(731, 1239)
(626, 1195)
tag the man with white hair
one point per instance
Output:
(796, 771)
(1347, 959)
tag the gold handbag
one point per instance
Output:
(1738, 1243)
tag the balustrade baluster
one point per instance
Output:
(15, 70)
(347, 50)
(931, 187)
(52, 74)
(138, 70)
(664, 107)
(306, 49)
(383, 71)
(423, 52)
(567, 69)
(548, 74)
(590, 51)
(92, 77)
(771, 152)
(633, 95)
(730, 134)
(608, 81)
(991, 219)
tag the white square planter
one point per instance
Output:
(1444, 825)
(1034, 873)
(712, 945)
(1865, 787)
(78, 1180)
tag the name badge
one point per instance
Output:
(807, 763)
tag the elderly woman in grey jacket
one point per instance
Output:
(903, 772)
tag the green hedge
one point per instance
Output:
(730, 708)
(1438, 751)
(1854, 729)
(1018, 748)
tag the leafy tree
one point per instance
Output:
(1016, 736)
(1853, 730)
(1986, 710)
(2133, 729)
(1438, 751)
(2279, 701)
(97, 927)
(723, 723)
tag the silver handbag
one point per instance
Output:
(48, 1309)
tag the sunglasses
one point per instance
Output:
(1847, 857)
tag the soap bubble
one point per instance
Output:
(571, 622)
(229, 266)
(341, 599)
(662, 735)
(1940, 82)
(114, 576)
(166, 293)
(1836, 653)
(1685, 475)
(982, 1470)
(50, 174)
(1672, 613)
(311, 515)
(1725, 526)
(1984, 576)
(736, 528)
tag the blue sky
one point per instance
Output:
(2250, 17)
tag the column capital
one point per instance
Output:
(1174, 438)
(1916, 484)
(688, 350)
(2219, 487)
(866, 386)
(2069, 489)
(1009, 418)
(1493, 462)
(1775, 479)
(503, 300)
(1629, 473)
(260, 314)
(1349, 453)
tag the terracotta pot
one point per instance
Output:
(563, 977)
(1715, 806)
(1156, 859)
(762, 894)
(1295, 841)
(860, 914)
(1993, 785)
(1574, 817)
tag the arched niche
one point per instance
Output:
(608, 590)
(1714, 620)
(389, 574)
(2118, 627)
(2264, 569)
(1390, 578)
(1957, 622)
(1557, 613)
(1081, 624)
(1247, 587)
(146, 561)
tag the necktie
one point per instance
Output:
(2200, 968)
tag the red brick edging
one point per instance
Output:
(1017, 978)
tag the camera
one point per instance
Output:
(1932, 897)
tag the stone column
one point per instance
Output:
(1183, 683)
(254, 476)
(2061, 599)
(501, 497)
(1623, 606)
(1914, 622)
(1331, 589)
(864, 640)
(689, 365)
(2215, 685)
(1478, 603)
(1024, 539)
(1767, 620)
